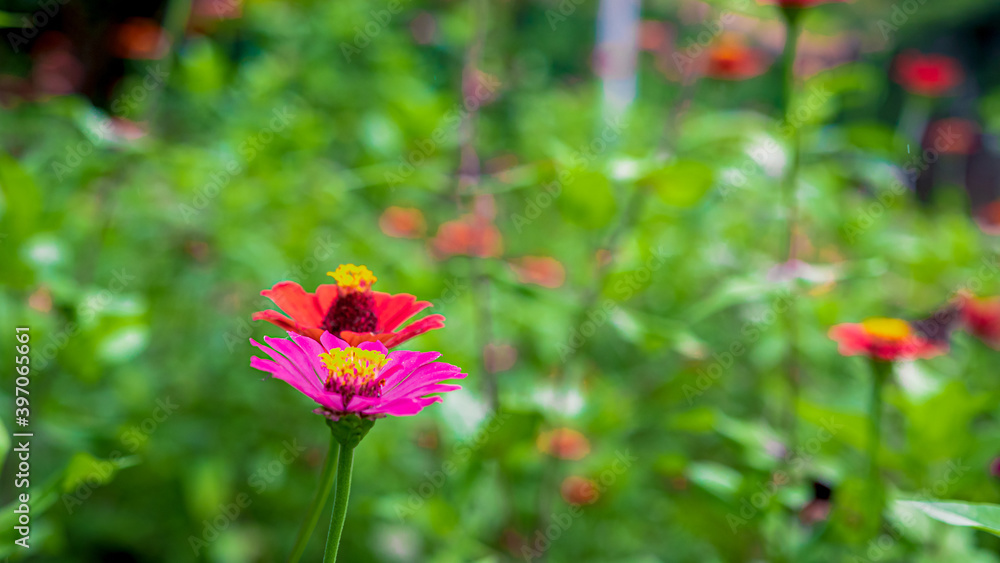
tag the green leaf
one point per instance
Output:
(981, 516)
(682, 184)
(587, 199)
(87, 469)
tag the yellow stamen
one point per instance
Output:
(887, 329)
(357, 278)
(353, 371)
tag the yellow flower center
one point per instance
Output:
(353, 371)
(887, 329)
(354, 278)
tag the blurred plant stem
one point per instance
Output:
(469, 180)
(318, 502)
(345, 465)
(881, 371)
(913, 118)
(793, 28)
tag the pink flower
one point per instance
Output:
(884, 339)
(367, 380)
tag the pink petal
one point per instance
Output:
(402, 363)
(331, 342)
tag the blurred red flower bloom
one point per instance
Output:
(139, 38)
(539, 270)
(988, 218)
(564, 443)
(884, 339)
(927, 75)
(981, 317)
(731, 59)
(952, 136)
(471, 235)
(348, 309)
(402, 222)
(579, 490)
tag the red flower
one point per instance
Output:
(579, 490)
(884, 339)
(731, 59)
(140, 38)
(952, 135)
(348, 309)
(988, 218)
(981, 316)
(927, 75)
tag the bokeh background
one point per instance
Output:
(593, 194)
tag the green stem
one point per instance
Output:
(880, 374)
(318, 502)
(345, 465)
(792, 211)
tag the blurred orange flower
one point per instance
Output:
(402, 222)
(564, 443)
(732, 59)
(579, 490)
(470, 235)
(927, 75)
(539, 270)
(139, 38)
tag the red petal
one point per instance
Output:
(394, 310)
(416, 329)
(326, 294)
(292, 299)
(852, 339)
